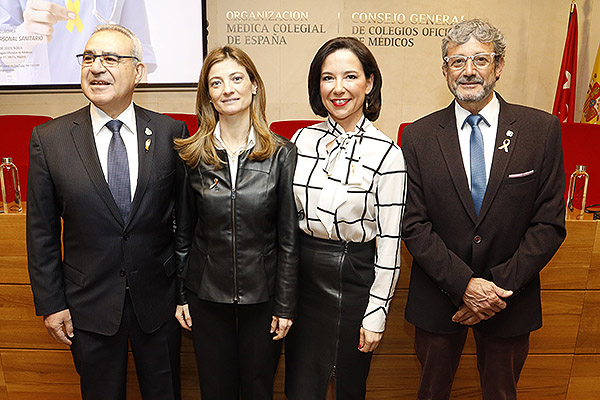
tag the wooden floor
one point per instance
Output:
(564, 360)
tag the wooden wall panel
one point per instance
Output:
(3, 393)
(545, 377)
(32, 374)
(594, 277)
(562, 312)
(190, 387)
(19, 326)
(585, 378)
(569, 267)
(399, 334)
(33, 365)
(13, 251)
(588, 341)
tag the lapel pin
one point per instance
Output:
(215, 181)
(148, 132)
(147, 145)
(505, 145)
(509, 133)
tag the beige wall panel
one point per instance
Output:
(413, 83)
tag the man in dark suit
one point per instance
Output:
(107, 172)
(484, 214)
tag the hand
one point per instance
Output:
(369, 340)
(182, 313)
(464, 316)
(40, 16)
(484, 299)
(280, 326)
(60, 326)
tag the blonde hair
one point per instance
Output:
(201, 146)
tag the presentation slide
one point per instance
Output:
(40, 38)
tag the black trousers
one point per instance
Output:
(101, 361)
(499, 361)
(235, 352)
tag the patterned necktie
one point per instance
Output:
(478, 178)
(118, 169)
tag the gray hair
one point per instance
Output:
(136, 45)
(483, 31)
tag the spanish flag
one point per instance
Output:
(564, 102)
(590, 107)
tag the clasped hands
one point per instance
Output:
(481, 301)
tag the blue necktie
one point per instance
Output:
(478, 179)
(118, 169)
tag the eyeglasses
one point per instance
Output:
(480, 61)
(108, 60)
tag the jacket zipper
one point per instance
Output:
(339, 319)
(236, 297)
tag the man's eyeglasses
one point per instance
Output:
(108, 60)
(480, 61)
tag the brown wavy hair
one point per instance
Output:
(201, 146)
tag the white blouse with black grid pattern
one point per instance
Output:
(355, 192)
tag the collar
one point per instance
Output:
(100, 118)
(489, 113)
(251, 141)
(336, 129)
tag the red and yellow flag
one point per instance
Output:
(564, 101)
(590, 107)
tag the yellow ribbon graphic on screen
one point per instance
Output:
(73, 5)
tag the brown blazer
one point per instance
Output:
(519, 228)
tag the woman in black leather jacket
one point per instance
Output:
(236, 233)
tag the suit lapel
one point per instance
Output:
(506, 130)
(83, 137)
(450, 147)
(146, 145)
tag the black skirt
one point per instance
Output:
(335, 279)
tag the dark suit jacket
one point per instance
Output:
(102, 253)
(520, 226)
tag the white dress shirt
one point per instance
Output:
(103, 135)
(490, 113)
(233, 158)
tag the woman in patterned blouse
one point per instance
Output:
(349, 185)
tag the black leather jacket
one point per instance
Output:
(239, 244)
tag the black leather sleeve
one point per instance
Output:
(286, 290)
